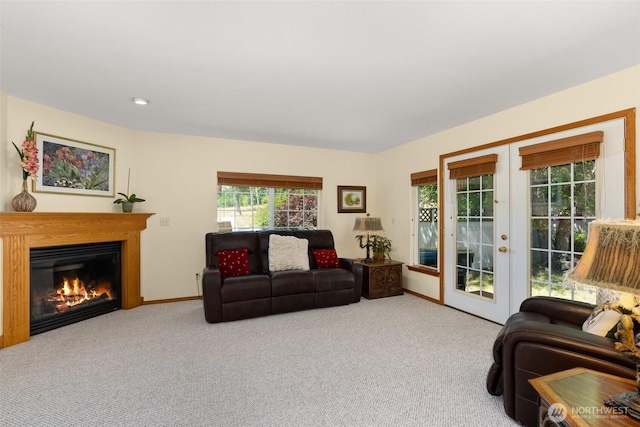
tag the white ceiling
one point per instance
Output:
(350, 75)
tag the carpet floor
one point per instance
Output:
(399, 361)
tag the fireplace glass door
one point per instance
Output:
(73, 283)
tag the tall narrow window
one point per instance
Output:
(261, 202)
(426, 184)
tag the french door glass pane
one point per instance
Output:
(475, 236)
(562, 206)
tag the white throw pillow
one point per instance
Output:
(601, 321)
(288, 253)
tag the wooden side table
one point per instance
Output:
(382, 279)
(576, 398)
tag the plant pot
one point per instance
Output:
(24, 202)
(127, 207)
(378, 257)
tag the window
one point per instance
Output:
(261, 202)
(426, 184)
(563, 195)
(474, 235)
(562, 206)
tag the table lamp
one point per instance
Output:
(367, 227)
(611, 260)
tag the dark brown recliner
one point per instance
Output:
(262, 292)
(545, 337)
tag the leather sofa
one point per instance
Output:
(544, 337)
(262, 292)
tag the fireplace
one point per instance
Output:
(23, 231)
(73, 283)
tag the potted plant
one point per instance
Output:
(381, 247)
(127, 201)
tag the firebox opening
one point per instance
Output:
(73, 283)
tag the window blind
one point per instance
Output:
(477, 166)
(577, 148)
(271, 181)
(425, 177)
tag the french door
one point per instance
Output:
(477, 234)
(511, 233)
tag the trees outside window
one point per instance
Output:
(563, 203)
(264, 208)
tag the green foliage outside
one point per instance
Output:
(292, 208)
(428, 196)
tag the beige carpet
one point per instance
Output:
(398, 361)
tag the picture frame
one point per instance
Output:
(352, 199)
(68, 166)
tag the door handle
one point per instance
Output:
(502, 249)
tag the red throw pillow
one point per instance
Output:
(326, 258)
(233, 262)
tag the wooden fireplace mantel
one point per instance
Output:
(22, 231)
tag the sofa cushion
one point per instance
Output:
(233, 262)
(602, 322)
(318, 239)
(326, 258)
(241, 288)
(333, 279)
(216, 242)
(288, 253)
(292, 282)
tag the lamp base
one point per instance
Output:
(367, 260)
(629, 402)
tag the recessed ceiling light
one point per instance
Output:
(139, 101)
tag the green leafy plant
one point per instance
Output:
(132, 198)
(381, 247)
(128, 198)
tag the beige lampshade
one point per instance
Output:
(368, 225)
(611, 258)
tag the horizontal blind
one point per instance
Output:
(425, 177)
(563, 151)
(271, 181)
(483, 165)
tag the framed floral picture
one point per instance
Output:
(352, 199)
(74, 167)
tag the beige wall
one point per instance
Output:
(177, 174)
(612, 93)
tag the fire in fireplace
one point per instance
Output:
(73, 283)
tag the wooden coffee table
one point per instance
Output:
(576, 398)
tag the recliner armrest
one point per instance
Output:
(356, 269)
(212, 294)
(566, 339)
(558, 309)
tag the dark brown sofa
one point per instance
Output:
(262, 292)
(545, 337)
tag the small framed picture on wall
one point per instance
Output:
(352, 199)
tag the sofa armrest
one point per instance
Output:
(212, 294)
(558, 309)
(567, 340)
(356, 269)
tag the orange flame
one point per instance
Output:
(73, 292)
